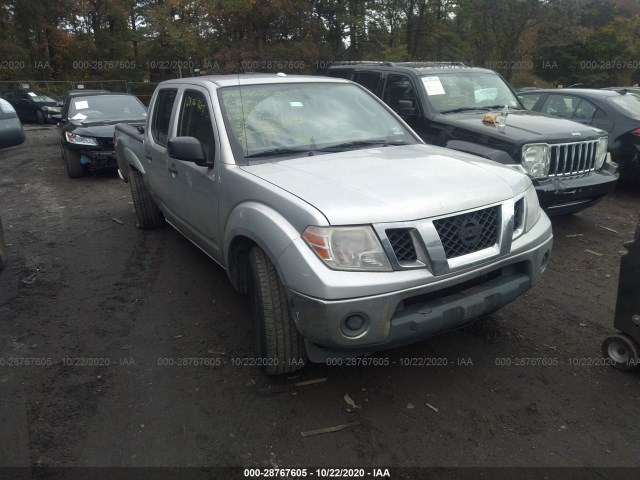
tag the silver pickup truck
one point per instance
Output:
(347, 232)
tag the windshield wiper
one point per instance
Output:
(464, 109)
(492, 107)
(279, 151)
(362, 143)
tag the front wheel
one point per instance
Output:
(622, 350)
(279, 347)
(3, 248)
(40, 117)
(72, 160)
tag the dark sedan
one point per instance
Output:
(616, 111)
(11, 134)
(33, 105)
(87, 124)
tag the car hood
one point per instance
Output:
(523, 126)
(95, 128)
(391, 184)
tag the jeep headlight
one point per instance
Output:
(348, 248)
(601, 151)
(535, 159)
(80, 140)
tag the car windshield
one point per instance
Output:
(43, 97)
(295, 118)
(457, 91)
(106, 107)
(629, 104)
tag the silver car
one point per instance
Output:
(347, 232)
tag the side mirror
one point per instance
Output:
(188, 149)
(406, 108)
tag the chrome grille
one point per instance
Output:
(572, 158)
(400, 240)
(470, 232)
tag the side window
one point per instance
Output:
(162, 116)
(369, 80)
(400, 94)
(560, 105)
(585, 111)
(195, 119)
(529, 99)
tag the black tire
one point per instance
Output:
(622, 350)
(3, 249)
(148, 214)
(72, 160)
(277, 342)
(40, 117)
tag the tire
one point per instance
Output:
(72, 159)
(277, 342)
(622, 350)
(3, 249)
(148, 214)
(40, 117)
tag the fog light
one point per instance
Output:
(354, 325)
(545, 260)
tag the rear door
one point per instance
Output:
(155, 159)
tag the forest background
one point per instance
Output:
(530, 42)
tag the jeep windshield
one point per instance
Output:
(273, 121)
(468, 91)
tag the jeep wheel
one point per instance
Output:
(72, 159)
(40, 117)
(278, 345)
(148, 214)
(3, 248)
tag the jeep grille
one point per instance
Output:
(572, 158)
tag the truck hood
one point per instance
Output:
(392, 184)
(524, 126)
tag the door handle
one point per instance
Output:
(173, 170)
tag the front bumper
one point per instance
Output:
(402, 316)
(571, 194)
(96, 159)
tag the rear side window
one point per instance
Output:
(162, 116)
(629, 104)
(369, 80)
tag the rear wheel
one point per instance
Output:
(147, 212)
(72, 159)
(3, 248)
(279, 347)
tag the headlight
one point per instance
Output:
(348, 248)
(601, 151)
(79, 139)
(535, 159)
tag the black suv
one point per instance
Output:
(474, 110)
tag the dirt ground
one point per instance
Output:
(108, 312)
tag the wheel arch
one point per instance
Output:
(254, 224)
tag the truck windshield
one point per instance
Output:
(458, 91)
(287, 119)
